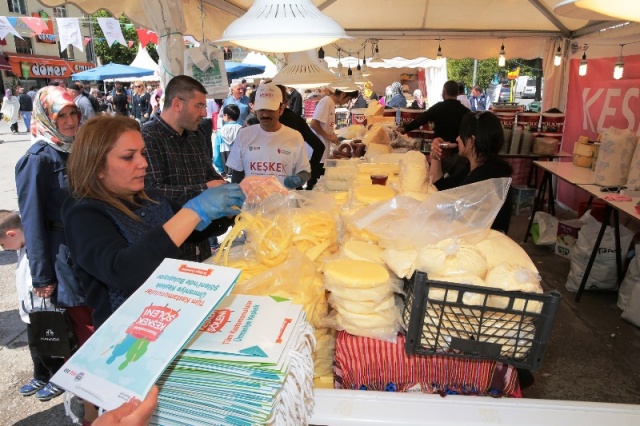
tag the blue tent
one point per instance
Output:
(111, 70)
(239, 70)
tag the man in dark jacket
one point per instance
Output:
(295, 100)
(446, 117)
(26, 107)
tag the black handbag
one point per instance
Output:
(52, 332)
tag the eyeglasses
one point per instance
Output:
(137, 87)
(199, 106)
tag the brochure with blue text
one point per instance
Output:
(124, 358)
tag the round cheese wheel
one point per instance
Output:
(360, 250)
(356, 273)
(373, 193)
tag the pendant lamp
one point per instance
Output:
(618, 68)
(557, 59)
(302, 70)
(283, 26)
(582, 69)
(501, 58)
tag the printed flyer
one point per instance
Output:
(124, 358)
(247, 329)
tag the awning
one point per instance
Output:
(4, 65)
(30, 66)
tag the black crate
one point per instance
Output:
(438, 321)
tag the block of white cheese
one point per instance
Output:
(451, 257)
(414, 171)
(373, 193)
(377, 134)
(498, 248)
(360, 250)
(401, 262)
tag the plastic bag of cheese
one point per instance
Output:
(465, 212)
(511, 277)
(452, 257)
(498, 248)
(383, 323)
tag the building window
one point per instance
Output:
(66, 53)
(24, 45)
(17, 6)
(60, 12)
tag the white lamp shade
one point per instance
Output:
(283, 26)
(304, 71)
(626, 10)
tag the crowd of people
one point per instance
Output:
(112, 185)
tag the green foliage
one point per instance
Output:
(117, 53)
(462, 70)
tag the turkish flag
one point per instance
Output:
(147, 36)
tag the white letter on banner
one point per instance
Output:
(626, 111)
(607, 109)
(587, 124)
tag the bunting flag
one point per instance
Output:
(112, 31)
(69, 33)
(129, 43)
(36, 24)
(7, 28)
(87, 40)
(147, 36)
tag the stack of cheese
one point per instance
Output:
(377, 141)
(414, 176)
(496, 262)
(362, 295)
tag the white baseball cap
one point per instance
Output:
(268, 96)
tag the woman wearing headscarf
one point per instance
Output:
(397, 97)
(41, 181)
(369, 94)
(10, 110)
(418, 100)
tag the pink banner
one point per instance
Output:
(597, 101)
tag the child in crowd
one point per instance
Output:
(228, 133)
(12, 238)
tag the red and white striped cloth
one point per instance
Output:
(372, 364)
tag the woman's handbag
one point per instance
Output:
(51, 332)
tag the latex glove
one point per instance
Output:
(216, 202)
(292, 182)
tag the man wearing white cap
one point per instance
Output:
(270, 148)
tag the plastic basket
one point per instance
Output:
(438, 321)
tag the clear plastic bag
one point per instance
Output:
(465, 212)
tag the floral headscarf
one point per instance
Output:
(48, 103)
(396, 88)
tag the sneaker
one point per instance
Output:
(32, 387)
(48, 392)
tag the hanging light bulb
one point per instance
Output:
(365, 69)
(618, 68)
(376, 56)
(582, 70)
(557, 60)
(349, 75)
(439, 54)
(501, 59)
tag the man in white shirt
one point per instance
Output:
(269, 148)
(324, 117)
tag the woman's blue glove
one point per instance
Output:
(292, 182)
(215, 203)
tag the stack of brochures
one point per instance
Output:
(127, 354)
(250, 363)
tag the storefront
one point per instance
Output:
(43, 69)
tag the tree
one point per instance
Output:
(461, 70)
(117, 53)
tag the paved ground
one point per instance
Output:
(592, 355)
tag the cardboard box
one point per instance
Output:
(522, 200)
(567, 236)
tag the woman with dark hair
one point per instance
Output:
(121, 234)
(480, 140)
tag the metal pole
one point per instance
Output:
(475, 72)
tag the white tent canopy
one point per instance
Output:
(142, 60)
(257, 58)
